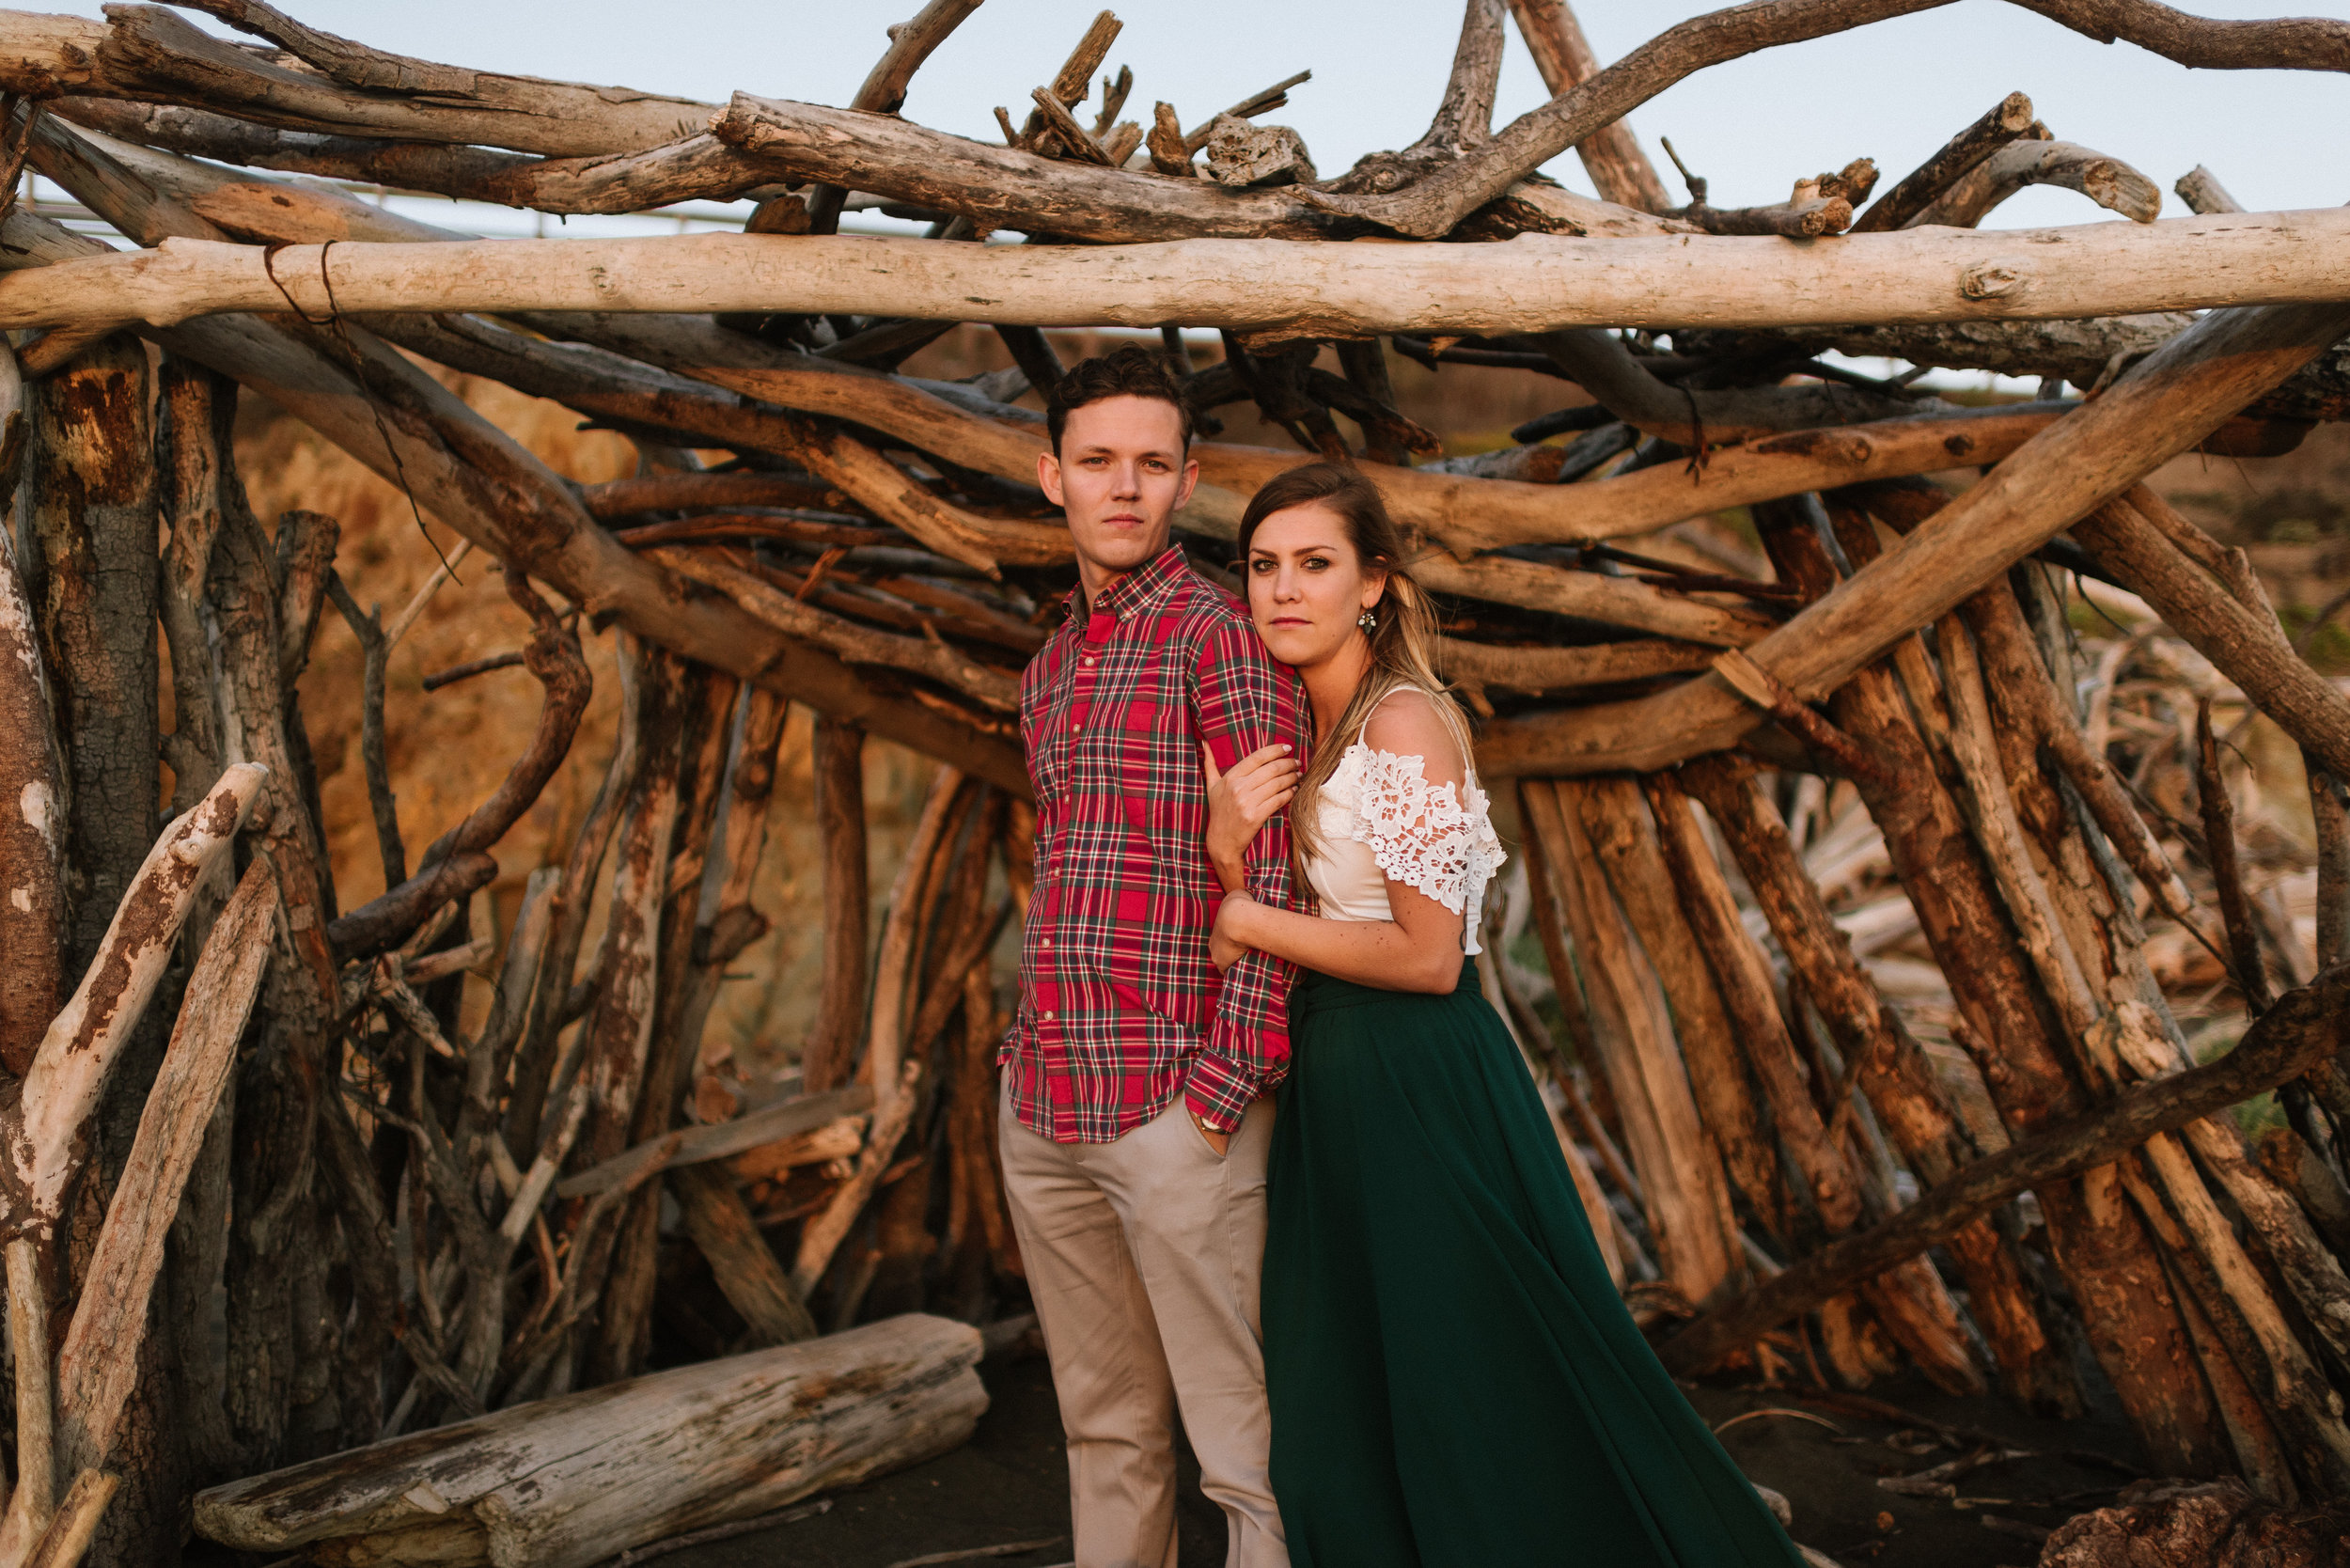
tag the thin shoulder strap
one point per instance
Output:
(1375, 709)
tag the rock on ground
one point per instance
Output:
(2166, 1523)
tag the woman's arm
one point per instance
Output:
(1242, 801)
(1420, 949)
(1417, 950)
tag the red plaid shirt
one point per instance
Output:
(1121, 1007)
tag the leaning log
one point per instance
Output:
(1533, 282)
(2300, 1031)
(2156, 410)
(568, 1481)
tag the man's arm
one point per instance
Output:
(1242, 701)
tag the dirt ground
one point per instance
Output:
(1010, 1485)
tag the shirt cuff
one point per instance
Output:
(1218, 1090)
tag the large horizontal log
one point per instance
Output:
(1463, 513)
(1533, 282)
(2302, 1028)
(569, 1482)
(2158, 408)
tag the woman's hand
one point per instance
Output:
(1240, 802)
(1224, 944)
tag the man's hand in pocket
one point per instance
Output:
(1220, 1143)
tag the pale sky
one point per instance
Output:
(1894, 91)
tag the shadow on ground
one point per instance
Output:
(1009, 1484)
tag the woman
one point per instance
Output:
(1454, 1379)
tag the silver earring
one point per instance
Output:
(1367, 621)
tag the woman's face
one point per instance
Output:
(1306, 586)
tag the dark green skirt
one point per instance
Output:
(1454, 1382)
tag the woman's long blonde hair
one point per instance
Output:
(1403, 641)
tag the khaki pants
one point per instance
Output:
(1143, 1255)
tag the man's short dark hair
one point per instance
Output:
(1131, 371)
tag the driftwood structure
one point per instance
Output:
(450, 1240)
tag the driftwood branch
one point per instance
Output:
(2286, 1041)
(2107, 182)
(1535, 283)
(1611, 156)
(2156, 409)
(2249, 649)
(100, 1360)
(1919, 191)
(83, 1041)
(554, 658)
(1431, 207)
(563, 1482)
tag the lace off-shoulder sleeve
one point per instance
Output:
(1428, 837)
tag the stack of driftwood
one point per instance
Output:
(275, 1195)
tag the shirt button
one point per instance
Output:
(1089, 660)
(1048, 941)
(1074, 728)
(1049, 1016)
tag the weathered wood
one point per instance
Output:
(554, 656)
(87, 512)
(101, 1353)
(564, 1482)
(2154, 410)
(623, 1337)
(2219, 1523)
(718, 1222)
(478, 480)
(996, 688)
(2296, 1031)
(1620, 170)
(69, 1535)
(2107, 182)
(154, 55)
(1433, 206)
(839, 768)
(2306, 1411)
(1892, 1069)
(1534, 284)
(2224, 1343)
(69, 1071)
(1681, 1184)
(618, 1033)
(2313, 1278)
(1463, 513)
(1689, 416)
(32, 1501)
(2249, 649)
(887, 1067)
(32, 789)
(2224, 856)
(694, 1145)
(1625, 839)
(1916, 191)
(1743, 974)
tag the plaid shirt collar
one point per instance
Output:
(1144, 588)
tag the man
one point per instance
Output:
(1134, 1126)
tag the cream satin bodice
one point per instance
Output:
(1379, 818)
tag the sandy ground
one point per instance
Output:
(1010, 1485)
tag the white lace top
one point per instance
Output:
(1379, 818)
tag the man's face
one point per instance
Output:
(1120, 476)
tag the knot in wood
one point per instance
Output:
(1991, 280)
